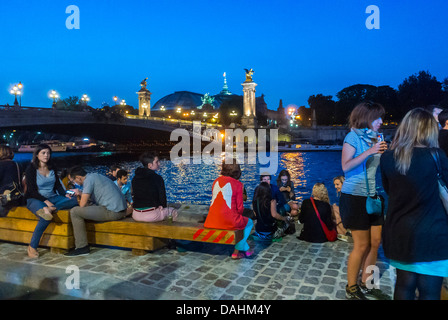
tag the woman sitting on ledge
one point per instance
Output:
(226, 209)
(45, 194)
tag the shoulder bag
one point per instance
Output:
(331, 235)
(443, 190)
(13, 192)
(374, 204)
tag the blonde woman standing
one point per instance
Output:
(361, 153)
(416, 228)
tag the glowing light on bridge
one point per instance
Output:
(85, 99)
(16, 92)
(54, 95)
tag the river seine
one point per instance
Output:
(192, 183)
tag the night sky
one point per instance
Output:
(297, 48)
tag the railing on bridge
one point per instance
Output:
(170, 120)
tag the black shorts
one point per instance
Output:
(354, 215)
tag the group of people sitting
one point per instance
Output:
(97, 197)
(88, 196)
(274, 208)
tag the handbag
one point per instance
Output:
(331, 235)
(13, 192)
(443, 190)
(374, 204)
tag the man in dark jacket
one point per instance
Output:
(148, 191)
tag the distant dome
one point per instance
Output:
(183, 99)
(186, 100)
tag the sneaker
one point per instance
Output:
(373, 294)
(354, 293)
(348, 239)
(78, 252)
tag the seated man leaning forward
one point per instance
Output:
(148, 190)
(109, 205)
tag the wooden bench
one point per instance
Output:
(20, 223)
(141, 237)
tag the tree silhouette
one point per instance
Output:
(419, 90)
(324, 107)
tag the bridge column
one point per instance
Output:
(144, 100)
(249, 116)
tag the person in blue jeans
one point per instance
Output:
(44, 193)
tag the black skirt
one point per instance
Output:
(354, 215)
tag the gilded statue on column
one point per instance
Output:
(144, 83)
(249, 74)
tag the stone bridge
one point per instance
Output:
(99, 126)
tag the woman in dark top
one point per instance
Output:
(9, 173)
(44, 193)
(266, 213)
(312, 229)
(415, 233)
(286, 187)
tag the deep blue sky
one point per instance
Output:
(297, 48)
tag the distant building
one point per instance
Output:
(188, 100)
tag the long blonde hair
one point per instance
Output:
(320, 192)
(418, 128)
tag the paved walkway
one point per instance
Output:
(288, 270)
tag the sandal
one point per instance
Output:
(45, 214)
(237, 256)
(249, 253)
(32, 253)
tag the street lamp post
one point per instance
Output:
(20, 86)
(15, 91)
(54, 95)
(85, 99)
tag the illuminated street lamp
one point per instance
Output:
(85, 99)
(115, 99)
(54, 95)
(15, 91)
(233, 113)
(20, 86)
(123, 102)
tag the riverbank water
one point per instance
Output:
(192, 183)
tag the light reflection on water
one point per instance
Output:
(192, 183)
